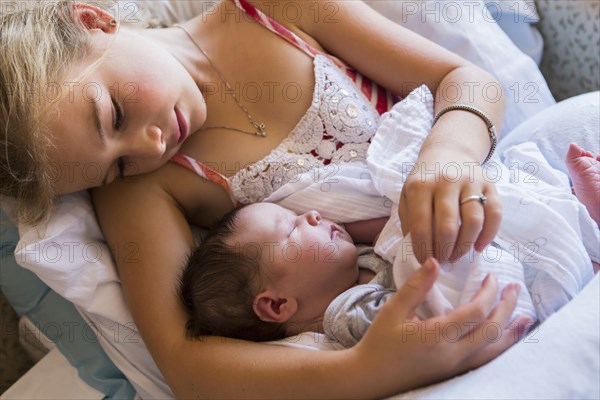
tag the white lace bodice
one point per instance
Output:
(336, 128)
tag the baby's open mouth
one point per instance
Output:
(334, 229)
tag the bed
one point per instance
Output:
(64, 287)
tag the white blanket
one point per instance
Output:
(551, 261)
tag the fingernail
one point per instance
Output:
(453, 256)
(487, 278)
(428, 264)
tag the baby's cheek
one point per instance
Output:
(332, 253)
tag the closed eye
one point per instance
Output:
(117, 115)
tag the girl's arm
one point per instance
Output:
(448, 164)
(391, 358)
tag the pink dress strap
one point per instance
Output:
(380, 98)
(279, 29)
(205, 172)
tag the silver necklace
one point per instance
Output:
(258, 126)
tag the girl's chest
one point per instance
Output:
(257, 77)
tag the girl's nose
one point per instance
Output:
(147, 143)
(313, 217)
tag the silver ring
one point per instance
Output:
(482, 199)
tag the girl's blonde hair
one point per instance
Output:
(39, 41)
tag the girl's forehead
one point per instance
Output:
(78, 88)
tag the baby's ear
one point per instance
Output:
(271, 307)
(94, 17)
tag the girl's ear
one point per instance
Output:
(271, 307)
(94, 17)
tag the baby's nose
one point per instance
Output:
(313, 217)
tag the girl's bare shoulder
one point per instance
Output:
(199, 200)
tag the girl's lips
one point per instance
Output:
(183, 126)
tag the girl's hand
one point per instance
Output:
(400, 347)
(430, 206)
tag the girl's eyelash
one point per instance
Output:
(118, 114)
(118, 123)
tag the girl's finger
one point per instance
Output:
(446, 221)
(493, 217)
(419, 215)
(468, 316)
(492, 328)
(511, 335)
(413, 291)
(403, 214)
(472, 217)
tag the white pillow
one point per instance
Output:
(516, 19)
(469, 29)
(70, 255)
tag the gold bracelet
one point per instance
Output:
(489, 123)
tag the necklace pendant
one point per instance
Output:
(260, 129)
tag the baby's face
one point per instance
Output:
(305, 256)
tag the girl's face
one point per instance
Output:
(128, 116)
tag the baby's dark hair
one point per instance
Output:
(218, 286)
